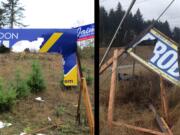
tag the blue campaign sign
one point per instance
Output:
(85, 32)
(164, 59)
(62, 41)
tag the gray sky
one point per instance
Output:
(58, 13)
(150, 9)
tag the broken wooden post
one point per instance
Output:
(164, 102)
(88, 106)
(110, 61)
(112, 92)
(140, 129)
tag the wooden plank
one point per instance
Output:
(145, 130)
(158, 119)
(43, 129)
(112, 92)
(166, 125)
(88, 106)
(110, 61)
(164, 103)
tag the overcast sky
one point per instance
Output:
(150, 9)
(58, 13)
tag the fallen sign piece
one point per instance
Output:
(4, 124)
(164, 60)
(39, 99)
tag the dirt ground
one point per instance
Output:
(60, 105)
(133, 96)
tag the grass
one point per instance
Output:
(28, 114)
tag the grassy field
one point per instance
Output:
(60, 104)
(132, 98)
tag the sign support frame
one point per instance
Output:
(85, 93)
(110, 121)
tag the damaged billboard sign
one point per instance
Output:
(164, 56)
(62, 41)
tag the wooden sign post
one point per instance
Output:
(112, 92)
(85, 93)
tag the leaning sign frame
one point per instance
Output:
(171, 45)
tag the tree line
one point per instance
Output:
(133, 26)
(11, 13)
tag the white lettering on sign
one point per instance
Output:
(158, 50)
(172, 55)
(8, 35)
(174, 70)
(166, 59)
(85, 32)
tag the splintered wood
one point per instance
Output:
(110, 61)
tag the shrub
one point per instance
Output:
(7, 97)
(86, 52)
(4, 49)
(89, 78)
(20, 86)
(35, 81)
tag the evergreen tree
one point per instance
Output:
(138, 22)
(2, 18)
(13, 13)
(103, 22)
(133, 26)
(176, 34)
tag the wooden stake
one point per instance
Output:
(112, 92)
(164, 103)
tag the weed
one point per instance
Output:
(27, 130)
(61, 82)
(59, 111)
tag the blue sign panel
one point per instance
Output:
(62, 41)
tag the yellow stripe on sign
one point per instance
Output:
(50, 42)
